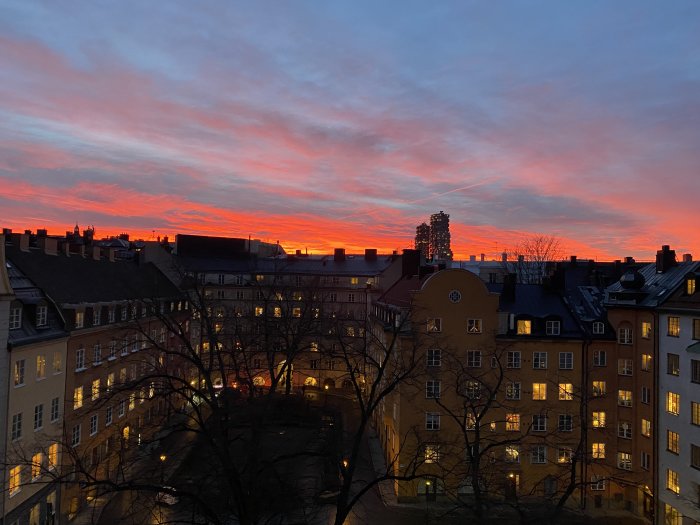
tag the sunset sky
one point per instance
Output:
(324, 124)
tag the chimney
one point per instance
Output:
(24, 242)
(50, 246)
(629, 260)
(482, 257)
(42, 232)
(687, 257)
(573, 260)
(521, 258)
(410, 263)
(298, 253)
(7, 232)
(96, 251)
(665, 259)
(370, 254)
(472, 258)
(339, 255)
(504, 257)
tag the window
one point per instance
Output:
(80, 359)
(673, 362)
(16, 431)
(624, 367)
(93, 424)
(79, 319)
(674, 326)
(672, 442)
(95, 389)
(75, 436)
(624, 398)
(351, 297)
(431, 453)
(513, 422)
(552, 327)
(296, 312)
(354, 280)
(695, 413)
(474, 359)
(332, 297)
(538, 454)
(599, 358)
(132, 400)
(112, 350)
(624, 429)
(524, 327)
(645, 460)
(258, 311)
(539, 360)
(539, 391)
(313, 364)
(96, 316)
(539, 423)
(695, 456)
(564, 455)
(433, 357)
(671, 515)
(52, 456)
(57, 363)
(54, 409)
(123, 313)
(566, 360)
(513, 359)
(18, 374)
(40, 367)
(624, 460)
(512, 454)
(597, 482)
(15, 480)
(472, 389)
(646, 362)
(77, 397)
(673, 403)
(566, 391)
(432, 389)
(598, 420)
(470, 421)
(695, 370)
(38, 416)
(434, 325)
(672, 481)
(690, 286)
(598, 328)
(646, 428)
(624, 336)
(277, 311)
(15, 317)
(474, 326)
(566, 423)
(646, 395)
(513, 390)
(121, 408)
(646, 329)
(432, 421)
(598, 450)
(696, 328)
(599, 388)
(110, 314)
(97, 354)
(108, 416)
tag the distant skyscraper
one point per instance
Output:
(423, 239)
(440, 236)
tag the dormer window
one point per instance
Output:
(41, 315)
(79, 319)
(15, 317)
(524, 326)
(598, 328)
(690, 286)
(96, 316)
(553, 327)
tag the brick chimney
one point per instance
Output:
(370, 254)
(339, 255)
(687, 257)
(665, 259)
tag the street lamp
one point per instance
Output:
(162, 459)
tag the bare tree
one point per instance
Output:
(534, 256)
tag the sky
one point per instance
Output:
(324, 124)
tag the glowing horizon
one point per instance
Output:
(347, 124)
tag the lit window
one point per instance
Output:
(566, 391)
(524, 327)
(57, 362)
(40, 367)
(690, 286)
(646, 362)
(671, 515)
(432, 421)
(646, 329)
(474, 326)
(79, 319)
(599, 388)
(566, 360)
(564, 455)
(52, 456)
(597, 482)
(598, 450)
(673, 363)
(695, 413)
(77, 397)
(672, 442)
(296, 312)
(470, 421)
(539, 391)
(598, 420)
(624, 336)
(624, 367)
(258, 311)
(434, 325)
(646, 428)
(539, 360)
(513, 422)
(95, 390)
(15, 480)
(624, 398)
(512, 454)
(624, 460)
(354, 280)
(431, 453)
(132, 401)
(674, 326)
(673, 403)
(552, 327)
(672, 483)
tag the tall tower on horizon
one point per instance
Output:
(440, 236)
(422, 243)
